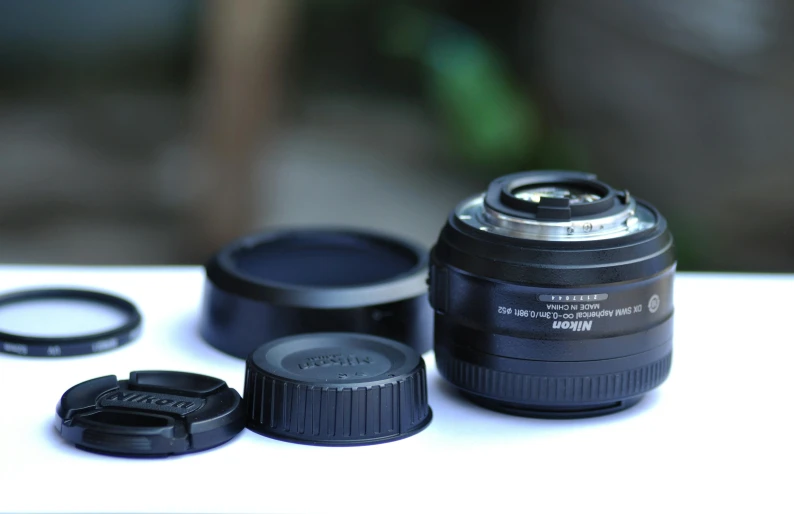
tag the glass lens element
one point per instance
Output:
(59, 318)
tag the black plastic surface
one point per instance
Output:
(153, 414)
(336, 389)
(41, 346)
(281, 283)
(324, 261)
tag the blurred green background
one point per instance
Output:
(154, 132)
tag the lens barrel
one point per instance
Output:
(553, 296)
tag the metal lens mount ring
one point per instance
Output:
(561, 206)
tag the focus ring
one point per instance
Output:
(555, 390)
(335, 415)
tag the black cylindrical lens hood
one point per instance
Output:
(280, 283)
(557, 302)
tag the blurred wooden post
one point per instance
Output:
(244, 45)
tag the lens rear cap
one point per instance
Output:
(336, 389)
(153, 414)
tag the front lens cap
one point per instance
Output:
(153, 414)
(336, 389)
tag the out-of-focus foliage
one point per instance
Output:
(487, 119)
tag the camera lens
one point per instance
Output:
(553, 296)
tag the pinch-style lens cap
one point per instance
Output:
(153, 414)
(336, 389)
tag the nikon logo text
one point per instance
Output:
(575, 326)
(320, 361)
(151, 401)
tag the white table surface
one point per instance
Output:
(716, 436)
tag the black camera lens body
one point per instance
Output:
(553, 296)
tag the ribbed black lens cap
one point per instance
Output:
(336, 389)
(153, 414)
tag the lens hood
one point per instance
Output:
(285, 282)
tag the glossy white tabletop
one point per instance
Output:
(717, 436)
